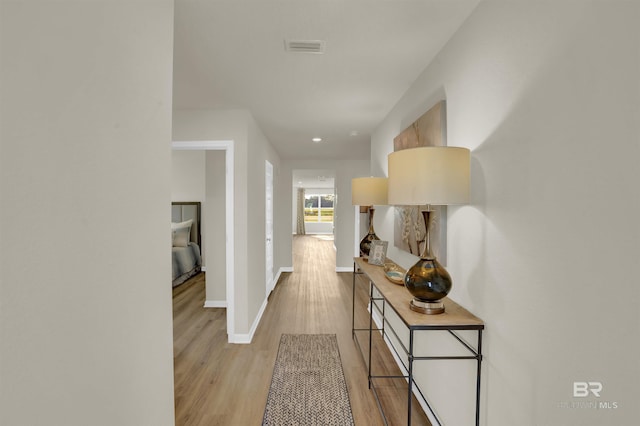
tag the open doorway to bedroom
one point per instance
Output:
(203, 172)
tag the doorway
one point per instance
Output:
(227, 147)
(314, 202)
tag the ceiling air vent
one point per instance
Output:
(304, 46)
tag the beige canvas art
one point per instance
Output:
(409, 227)
(428, 130)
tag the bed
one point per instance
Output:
(186, 241)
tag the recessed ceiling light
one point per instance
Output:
(316, 140)
(353, 133)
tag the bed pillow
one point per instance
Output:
(181, 232)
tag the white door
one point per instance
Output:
(268, 190)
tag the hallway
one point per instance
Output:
(217, 383)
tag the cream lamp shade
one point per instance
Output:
(369, 191)
(429, 175)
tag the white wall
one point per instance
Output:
(546, 96)
(85, 177)
(214, 228)
(259, 150)
(188, 175)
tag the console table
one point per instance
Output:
(383, 294)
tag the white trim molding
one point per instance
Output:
(247, 338)
(215, 303)
(280, 271)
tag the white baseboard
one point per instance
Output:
(280, 271)
(246, 338)
(215, 303)
(344, 268)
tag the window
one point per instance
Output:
(318, 208)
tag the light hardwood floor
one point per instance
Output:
(217, 383)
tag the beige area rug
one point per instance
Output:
(308, 386)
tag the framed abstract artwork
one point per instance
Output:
(409, 228)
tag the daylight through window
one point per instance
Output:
(318, 208)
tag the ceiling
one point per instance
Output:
(230, 54)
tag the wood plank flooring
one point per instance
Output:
(217, 383)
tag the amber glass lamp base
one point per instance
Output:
(428, 282)
(365, 244)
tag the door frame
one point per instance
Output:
(269, 191)
(227, 146)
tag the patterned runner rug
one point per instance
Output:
(308, 385)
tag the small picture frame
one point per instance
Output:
(378, 252)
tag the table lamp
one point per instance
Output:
(368, 191)
(428, 176)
